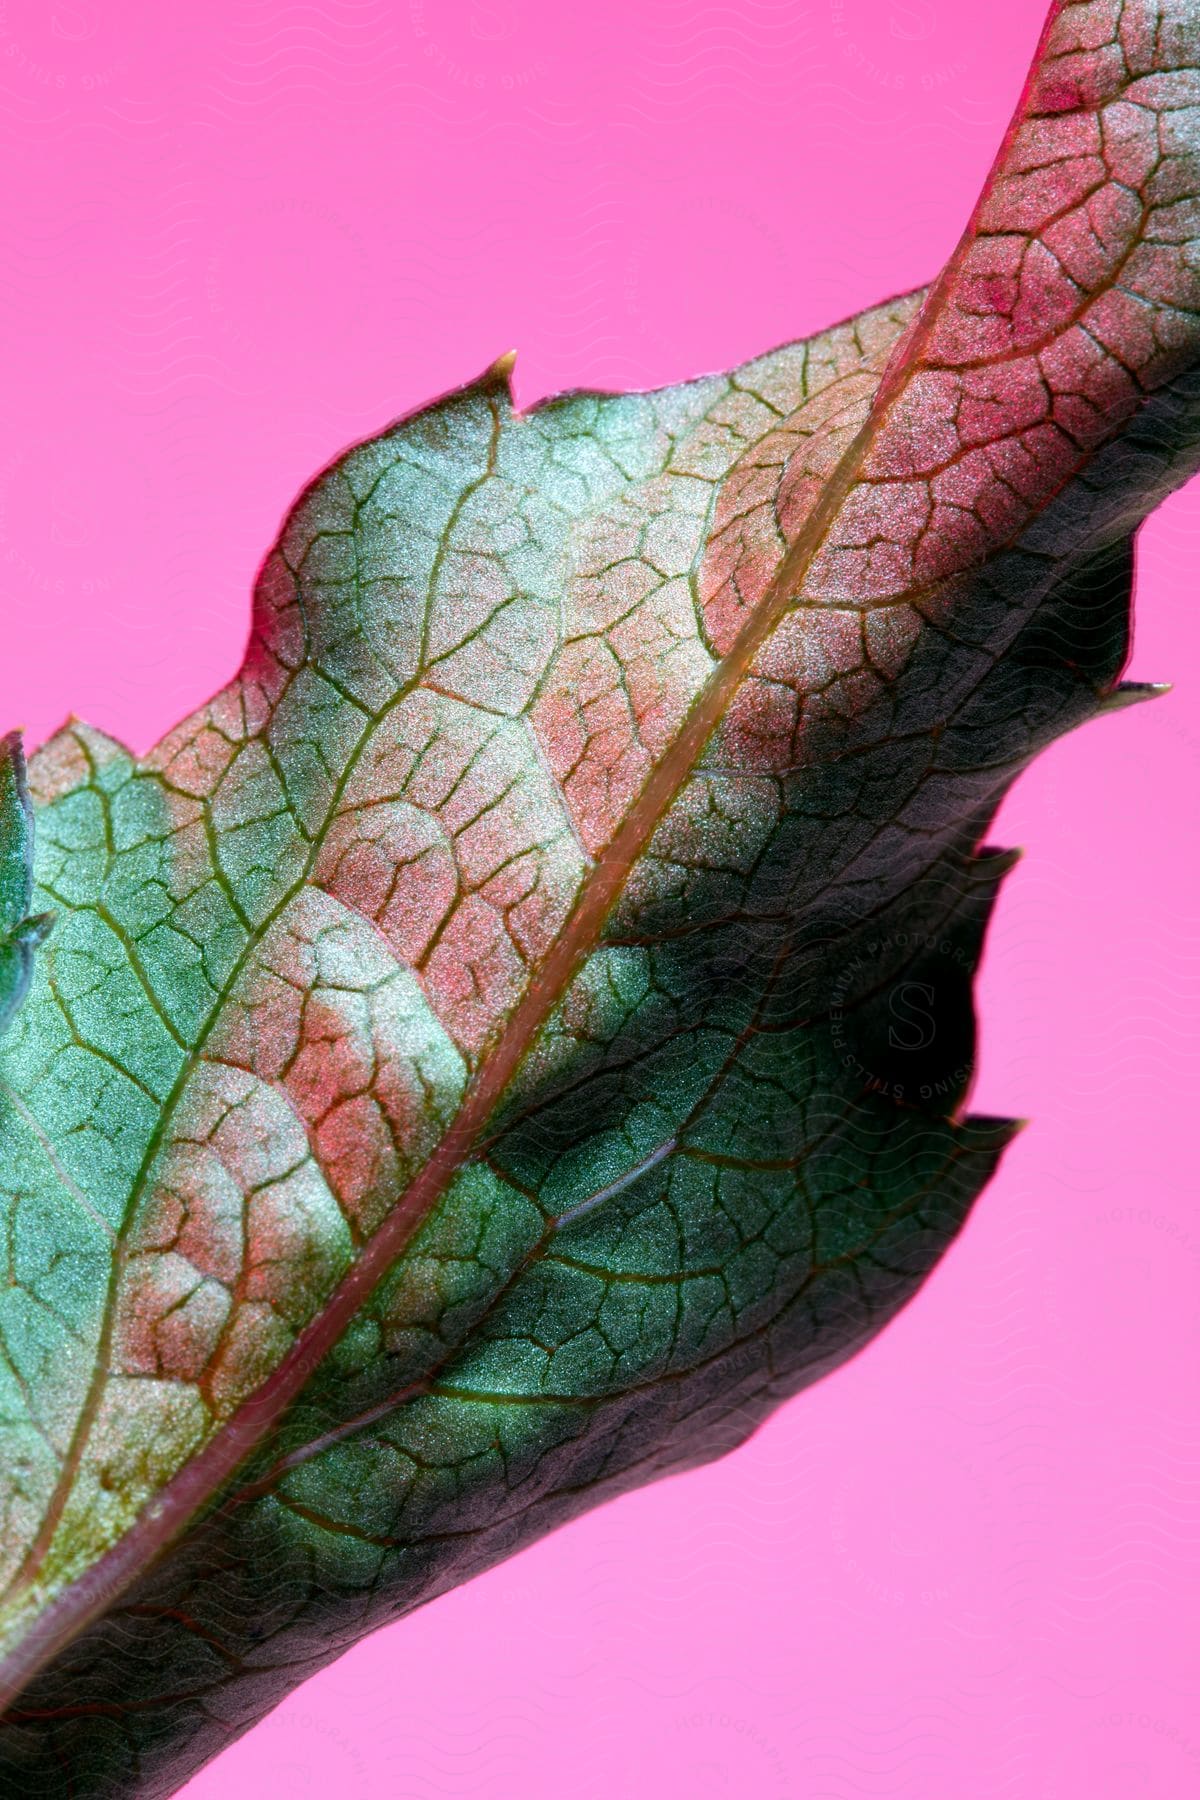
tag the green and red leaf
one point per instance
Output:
(517, 1032)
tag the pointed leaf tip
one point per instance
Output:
(499, 374)
(999, 862)
(1003, 1131)
(1132, 693)
(36, 929)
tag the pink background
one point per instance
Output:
(238, 236)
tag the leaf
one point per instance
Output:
(516, 1034)
(20, 935)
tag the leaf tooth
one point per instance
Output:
(1132, 693)
(1000, 862)
(35, 929)
(499, 373)
(992, 1130)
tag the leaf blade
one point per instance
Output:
(254, 785)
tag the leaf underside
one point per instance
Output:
(516, 1034)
